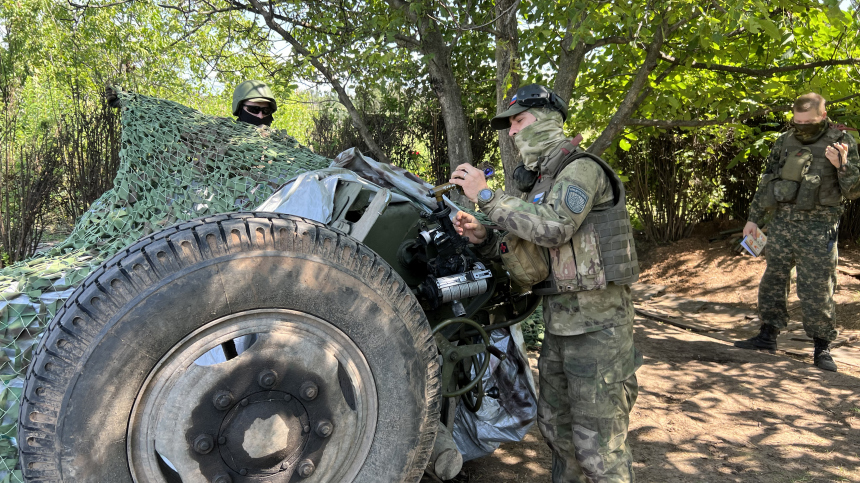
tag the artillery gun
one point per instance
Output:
(268, 347)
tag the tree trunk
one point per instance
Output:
(447, 91)
(507, 74)
(631, 98)
(438, 54)
(342, 95)
(568, 66)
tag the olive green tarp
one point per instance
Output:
(176, 164)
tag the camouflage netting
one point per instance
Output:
(175, 164)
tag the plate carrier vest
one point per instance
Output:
(610, 221)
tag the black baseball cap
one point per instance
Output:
(532, 95)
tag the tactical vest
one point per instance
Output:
(805, 177)
(609, 222)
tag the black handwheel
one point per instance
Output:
(474, 399)
(232, 349)
(453, 355)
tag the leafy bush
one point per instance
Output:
(673, 180)
(533, 329)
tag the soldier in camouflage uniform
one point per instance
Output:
(809, 171)
(588, 362)
(254, 103)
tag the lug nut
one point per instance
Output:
(267, 379)
(324, 428)
(222, 478)
(222, 400)
(203, 443)
(309, 391)
(306, 468)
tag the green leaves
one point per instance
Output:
(765, 24)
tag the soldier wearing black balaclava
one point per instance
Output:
(811, 170)
(254, 103)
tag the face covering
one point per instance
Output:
(524, 179)
(256, 121)
(809, 133)
(539, 138)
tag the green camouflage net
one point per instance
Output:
(175, 164)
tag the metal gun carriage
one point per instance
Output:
(269, 347)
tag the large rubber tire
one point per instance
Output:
(109, 338)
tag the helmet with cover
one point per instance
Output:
(252, 91)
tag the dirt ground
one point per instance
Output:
(710, 412)
(697, 267)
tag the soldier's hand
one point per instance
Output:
(468, 226)
(470, 179)
(837, 154)
(750, 228)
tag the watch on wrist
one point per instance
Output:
(486, 195)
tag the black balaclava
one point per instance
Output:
(809, 133)
(246, 116)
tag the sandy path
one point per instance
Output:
(710, 412)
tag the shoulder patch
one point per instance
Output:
(575, 199)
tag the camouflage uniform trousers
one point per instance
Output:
(587, 388)
(810, 244)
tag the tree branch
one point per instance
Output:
(680, 23)
(665, 124)
(208, 13)
(484, 27)
(106, 5)
(634, 88)
(485, 24)
(407, 40)
(760, 72)
(342, 95)
(607, 41)
(306, 25)
(191, 32)
(647, 91)
(404, 7)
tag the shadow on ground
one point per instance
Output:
(710, 412)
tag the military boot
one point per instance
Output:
(766, 339)
(822, 357)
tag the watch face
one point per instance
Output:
(485, 195)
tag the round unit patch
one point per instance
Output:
(575, 199)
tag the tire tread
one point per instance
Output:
(128, 273)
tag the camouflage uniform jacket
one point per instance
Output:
(549, 222)
(848, 177)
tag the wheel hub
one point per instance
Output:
(295, 405)
(264, 434)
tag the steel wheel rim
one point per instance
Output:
(175, 405)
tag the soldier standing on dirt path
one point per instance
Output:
(254, 103)
(587, 363)
(811, 169)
